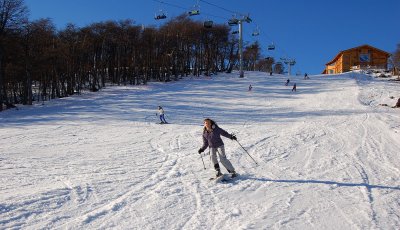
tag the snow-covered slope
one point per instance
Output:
(328, 156)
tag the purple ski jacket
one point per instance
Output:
(213, 139)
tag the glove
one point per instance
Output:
(233, 137)
(200, 151)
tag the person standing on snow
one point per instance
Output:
(161, 114)
(294, 87)
(212, 139)
(287, 82)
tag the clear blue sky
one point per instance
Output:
(311, 31)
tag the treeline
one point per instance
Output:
(39, 62)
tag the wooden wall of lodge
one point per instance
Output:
(351, 58)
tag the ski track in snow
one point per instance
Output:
(327, 155)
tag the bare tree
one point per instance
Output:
(250, 56)
(13, 15)
(279, 68)
(395, 59)
(265, 65)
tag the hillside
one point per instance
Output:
(328, 156)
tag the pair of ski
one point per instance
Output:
(224, 178)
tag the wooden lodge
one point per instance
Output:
(361, 57)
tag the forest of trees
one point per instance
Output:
(39, 62)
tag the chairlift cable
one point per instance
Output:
(183, 8)
(222, 8)
(170, 4)
(215, 16)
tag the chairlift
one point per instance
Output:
(233, 22)
(194, 12)
(208, 24)
(235, 32)
(271, 47)
(161, 15)
(256, 32)
(247, 19)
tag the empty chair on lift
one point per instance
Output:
(255, 33)
(271, 47)
(208, 24)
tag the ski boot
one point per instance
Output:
(233, 174)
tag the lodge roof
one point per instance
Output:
(358, 47)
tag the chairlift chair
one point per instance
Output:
(208, 24)
(161, 15)
(233, 22)
(235, 32)
(256, 32)
(194, 12)
(271, 47)
(248, 19)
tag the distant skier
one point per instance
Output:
(212, 138)
(161, 114)
(287, 82)
(294, 87)
(250, 87)
(306, 76)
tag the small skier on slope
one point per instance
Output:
(294, 87)
(212, 138)
(161, 114)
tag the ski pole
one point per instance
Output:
(246, 152)
(202, 161)
(209, 150)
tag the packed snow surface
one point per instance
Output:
(328, 156)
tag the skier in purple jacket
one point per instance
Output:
(212, 138)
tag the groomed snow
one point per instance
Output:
(328, 156)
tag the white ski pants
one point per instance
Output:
(222, 158)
